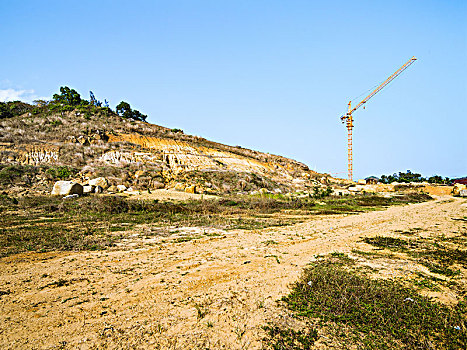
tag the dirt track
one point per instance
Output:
(213, 292)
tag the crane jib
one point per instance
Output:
(386, 82)
(348, 118)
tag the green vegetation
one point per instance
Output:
(13, 109)
(408, 177)
(11, 173)
(124, 110)
(66, 101)
(61, 172)
(365, 313)
(320, 193)
(437, 257)
(288, 339)
(95, 222)
(68, 97)
(26, 174)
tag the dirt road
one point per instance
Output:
(213, 292)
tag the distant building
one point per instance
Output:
(461, 180)
(372, 180)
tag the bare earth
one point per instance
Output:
(214, 292)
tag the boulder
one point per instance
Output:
(112, 188)
(99, 181)
(463, 193)
(156, 185)
(226, 187)
(458, 188)
(88, 189)
(121, 188)
(190, 189)
(179, 187)
(65, 188)
(98, 189)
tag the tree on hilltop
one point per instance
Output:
(5, 111)
(68, 97)
(93, 100)
(124, 110)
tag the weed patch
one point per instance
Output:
(436, 257)
(376, 314)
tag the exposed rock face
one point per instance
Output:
(143, 155)
(119, 157)
(65, 188)
(31, 154)
(182, 156)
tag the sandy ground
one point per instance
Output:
(166, 194)
(210, 293)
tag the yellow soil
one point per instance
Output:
(215, 292)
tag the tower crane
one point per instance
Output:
(348, 118)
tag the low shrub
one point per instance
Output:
(374, 314)
(61, 172)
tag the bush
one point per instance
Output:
(14, 108)
(10, 173)
(124, 110)
(61, 172)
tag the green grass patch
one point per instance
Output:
(436, 257)
(371, 314)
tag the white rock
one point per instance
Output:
(88, 189)
(121, 188)
(65, 188)
(357, 188)
(71, 196)
(99, 181)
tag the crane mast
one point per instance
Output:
(348, 118)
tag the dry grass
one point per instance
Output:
(95, 222)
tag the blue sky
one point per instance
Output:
(274, 76)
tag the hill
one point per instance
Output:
(66, 139)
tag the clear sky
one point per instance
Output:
(270, 75)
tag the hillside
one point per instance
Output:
(46, 143)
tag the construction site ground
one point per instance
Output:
(213, 292)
